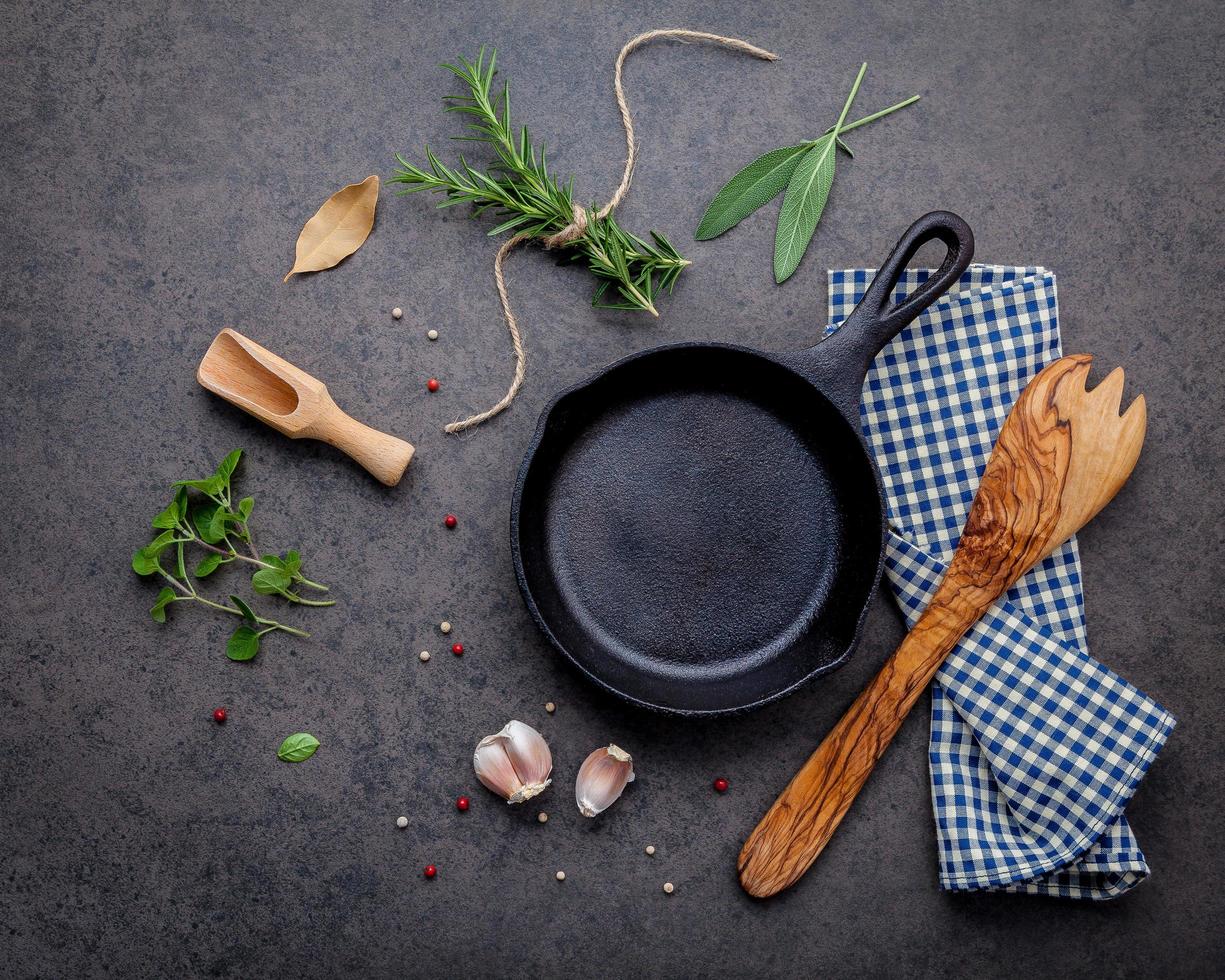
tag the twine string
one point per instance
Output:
(580, 221)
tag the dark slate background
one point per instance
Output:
(158, 161)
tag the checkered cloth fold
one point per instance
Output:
(1036, 747)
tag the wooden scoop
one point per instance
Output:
(295, 404)
(1062, 455)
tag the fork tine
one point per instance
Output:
(1135, 420)
(1110, 392)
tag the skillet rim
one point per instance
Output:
(786, 360)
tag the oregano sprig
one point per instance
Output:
(210, 520)
(519, 189)
(806, 170)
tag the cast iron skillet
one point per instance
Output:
(700, 526)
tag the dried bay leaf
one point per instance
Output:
(337, 229)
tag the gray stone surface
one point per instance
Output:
(157, 162)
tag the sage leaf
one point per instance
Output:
(807, 170)
(164, 598)
(297, 748)
(807, 192)
(337, 229)
(243, 608)
(270, 581)
(756, 185)
(243, 644)
(208, 565)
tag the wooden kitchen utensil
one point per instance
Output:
(295, 404)
(1062, 455)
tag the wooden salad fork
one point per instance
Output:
(296, 404)
(1062, 454)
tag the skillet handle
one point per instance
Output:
(841, 362)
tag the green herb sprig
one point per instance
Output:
(806, 170)
(519, 189)
(209, 520)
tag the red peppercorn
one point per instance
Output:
(219, 716)
(457, 649)
(462, 803)
(430, 871)
(432, 384)
(720, 785)
(450, 521)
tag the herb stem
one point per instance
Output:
(875, 116)
(233, 553)
(294, 597)
(850, 99)
(272, 624)
(318, 586)
(186, 590)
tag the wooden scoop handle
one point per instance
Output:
(804, 817)
(384, 456)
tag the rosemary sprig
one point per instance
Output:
(519, 189)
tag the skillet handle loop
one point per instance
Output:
(875, 323)
(844, 359)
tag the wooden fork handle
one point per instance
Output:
(384, 456)
(804, 817)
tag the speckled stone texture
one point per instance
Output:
(157, 162)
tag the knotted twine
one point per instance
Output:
(578, 223)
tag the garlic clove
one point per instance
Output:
(515, 763)
(601, 779)
(529, 754)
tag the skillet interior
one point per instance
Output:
(698, 529)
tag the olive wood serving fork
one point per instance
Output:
(1062, 454)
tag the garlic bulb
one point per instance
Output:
(515, 763)
(601, 779)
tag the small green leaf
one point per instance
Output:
(245, 506)
(293, 562)
(144, 563)
(243, 608)
(243, 644)
(756, 185)
(807, 192)
(273, 560)
(211, 486)
(270, 581)
(202, 518)
(217, 526)
(225, 469)
(297, 748)
(170, 517)
(208, 565)
(164, 598)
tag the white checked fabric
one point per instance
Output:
(1036, 747)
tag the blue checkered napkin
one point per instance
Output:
(1035, 746)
